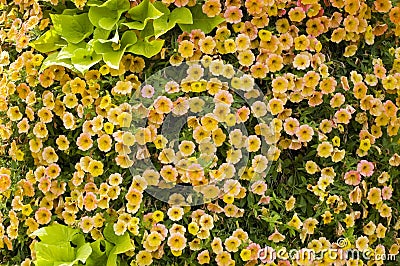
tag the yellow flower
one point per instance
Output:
(365, 144)
(253, 143)
(104, 143)
(104, 70)
(186, 49)
(144, 258)
(275, 106)
(232, 244)
(105, 101)
(14, 113)
(175, 213)
(128, 139)
(160, 142)
(336, 141)
(154, 239)
(43, 216)
(108, 127)
(289, 204)
(324, 149)
(158, 216)
(228, 198)
(124, 119)
(95, 168)
(26, 209)
(84, 141)
(295, 222)
(193, 228)
(176, 242)
(265, 35)
(245, 254)
(19, 155)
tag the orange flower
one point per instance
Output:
(395, 15)
(352, 6)
(46, 78)
(274, 62)
(383, 6)
(84, 141)
(90, 201)
(297, 14)
(5, 182)
(43, 216)
(212, 8)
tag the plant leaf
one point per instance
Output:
(83, 253)
(201, 21)
(84, 58)
(141, 14)
(73, 28)
(52, 60)
(100, 33)
(169, 19)
(47, 253)
(68, 51)
(107, 14)
(146, 48)
(97, 256)
(122, 243)
(49, 41)
(112, 258)
(55, 234)
(108, 49)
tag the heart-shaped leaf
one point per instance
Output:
(141, 14)
(73, 28)
(107, 14)
(100, 33)
(146, 48)
(52, 60)
(167, 21)
(112, 51)
(49, 41)
(67, 52)
(97, 256)
(55, 234)
(122, 243)
(47, 254)
(84, 58)
(201, 21)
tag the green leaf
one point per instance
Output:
(146, 48)
(113, 51)
(49, 41)
(56, 234)
(47, 254)
(97, 256)
(52, 60)
(167, 21)
(141, 14)
(84, 58)
(107, 14)
(100, 33)
(148, 31)
(73, 28)
(122, 243)
(201, 21)
(112, 258)
(69, 50)
(83, 253)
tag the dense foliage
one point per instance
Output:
(316, 85)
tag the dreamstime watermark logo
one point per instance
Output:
(340, 251)
(197, 128)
